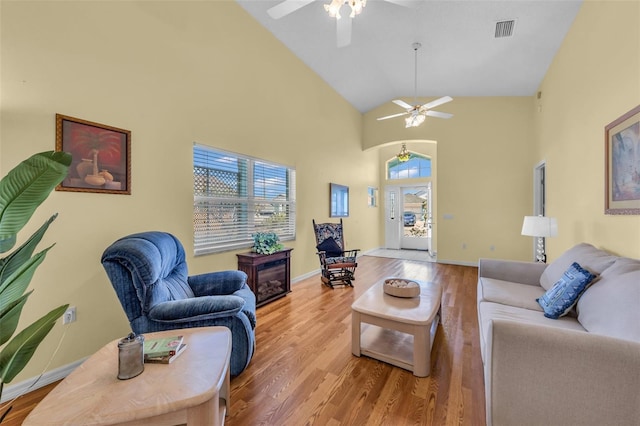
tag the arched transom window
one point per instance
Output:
(417, 166)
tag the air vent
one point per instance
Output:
(504, 28)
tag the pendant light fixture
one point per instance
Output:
(403, 155)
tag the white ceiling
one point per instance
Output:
(459, 55)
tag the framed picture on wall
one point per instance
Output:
(101, 156)
(622, 164)
(372, 196)
(339, 199)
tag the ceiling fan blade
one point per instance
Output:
(392, 116)
(406, 3)
(286, 7)
(438, 114)
(343, 31)
(402, 104)
(442, 100)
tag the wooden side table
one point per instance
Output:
(194, 389)
(268, 275)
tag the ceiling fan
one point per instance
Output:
(343, 26)
(417, 113)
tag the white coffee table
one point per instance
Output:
(398, 331)
(194, 389)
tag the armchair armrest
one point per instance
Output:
(217, 283)
(511, 270)
(249, 308)
(545, 375)
(197, 309)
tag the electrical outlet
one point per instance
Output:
(69, 315)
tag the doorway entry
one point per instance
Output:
(539, 199)
(409, 217)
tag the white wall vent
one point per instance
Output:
(505, 28)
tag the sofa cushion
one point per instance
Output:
(509, 293)
(559, 299)
(611, 306)
(488, 311)
(590, 258)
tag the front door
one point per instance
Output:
(416, 218)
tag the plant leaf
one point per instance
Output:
(10, 316)
(16, 284)
(24, 188)
(9, 264)
(17, 353)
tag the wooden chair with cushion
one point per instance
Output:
(338, 266)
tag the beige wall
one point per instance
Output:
(484, 173)
(594, 79)
(487, 151)
(172, 73)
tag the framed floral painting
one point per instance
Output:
(101, 156)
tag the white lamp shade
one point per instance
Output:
(540, 226)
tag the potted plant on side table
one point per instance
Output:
(266, 243)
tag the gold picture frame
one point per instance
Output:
(101, 156)
(622, 164)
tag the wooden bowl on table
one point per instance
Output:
(401, 287)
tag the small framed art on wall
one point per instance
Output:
(101, 156)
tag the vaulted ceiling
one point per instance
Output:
(460, 53)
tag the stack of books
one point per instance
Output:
(163, 350)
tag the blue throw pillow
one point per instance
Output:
(331, 248)
(561, 297)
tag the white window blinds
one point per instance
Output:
(235, 196)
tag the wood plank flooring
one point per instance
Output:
(303, 372)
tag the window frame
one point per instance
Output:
(227, 222)
(406, 167)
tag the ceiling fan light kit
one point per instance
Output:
(414, 120)
(418, 113)
(343, 29)
(333, 8)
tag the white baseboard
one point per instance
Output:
(456, 262)
(305, 276)
(13, 391)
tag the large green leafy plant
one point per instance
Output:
(22, 190)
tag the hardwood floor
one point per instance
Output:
(303, 371)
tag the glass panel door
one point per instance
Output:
(416, 218)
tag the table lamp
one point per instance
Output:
(540, 227)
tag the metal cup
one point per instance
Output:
(130, 356)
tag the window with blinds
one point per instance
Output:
(235, 196)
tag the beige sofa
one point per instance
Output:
(581, 369)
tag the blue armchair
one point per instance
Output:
(148, 271)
